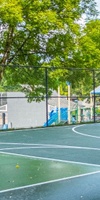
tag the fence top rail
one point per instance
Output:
(50, 67)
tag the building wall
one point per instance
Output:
(22, 114)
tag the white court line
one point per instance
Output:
(48, 182)
(49, 159)
(49, 146)
(83, 134)
(11, 143)
(57, 160)
(19, 148)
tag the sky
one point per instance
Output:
(98, 4)
(98, 8)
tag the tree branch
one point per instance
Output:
(8, 45)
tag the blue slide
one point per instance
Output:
(54, 116)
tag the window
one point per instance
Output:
(3, 99)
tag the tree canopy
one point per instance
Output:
(44, 33)
(88, 55)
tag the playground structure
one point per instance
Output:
(95, 102)
(76, 116)
(54, 116)
(73, 112)
(17, 112)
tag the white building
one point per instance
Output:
(22, 114)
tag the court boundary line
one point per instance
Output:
(48, 182)
(83, 134)
(51, 146)
(49, 159)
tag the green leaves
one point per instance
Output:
(89, 44)
(10, 11)
(45, 33)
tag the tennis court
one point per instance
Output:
(56, 163)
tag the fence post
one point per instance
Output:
(69, 106)
(46, 79)
(94, 95)
(59, 104)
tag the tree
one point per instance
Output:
(88, 56)
(39, 33)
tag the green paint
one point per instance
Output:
(33, 171)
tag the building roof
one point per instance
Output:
(96, 91)
(53, 101)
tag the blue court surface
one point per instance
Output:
(56, 163)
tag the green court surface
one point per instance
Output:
(16, 171)
(57, 163)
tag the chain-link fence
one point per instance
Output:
(46, 96)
